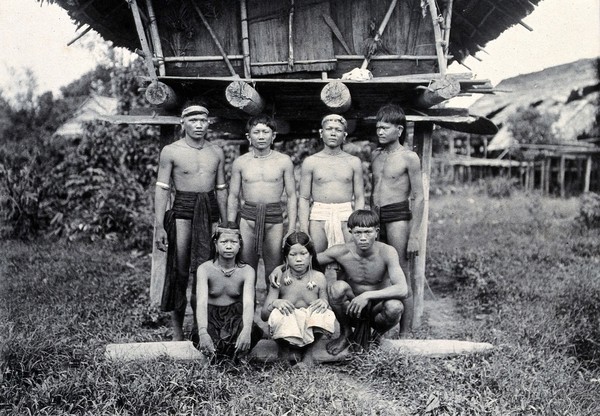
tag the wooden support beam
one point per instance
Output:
(143, 40)
(79, 36)
(160, 94)
(382, 27)
(447, 25)
(245, 37)
(337, 33)
(423, 141)
(336, 96)
(243, 96)
(438, 91)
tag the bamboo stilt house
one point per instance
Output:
(288, 58)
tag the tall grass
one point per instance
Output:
(524, 275)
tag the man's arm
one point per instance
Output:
(359, 187)
(235, 186)
(305, 193)
(221, 186)
(416, 186)
(161, 195)
(290, 190)
(398, 288)
(330, 255)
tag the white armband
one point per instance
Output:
(221, 187)
(162, 185)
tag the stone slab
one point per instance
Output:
(177, 350)
(434, 347)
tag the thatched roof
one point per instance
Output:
(93, 108)
(474, 22)
(569, 91)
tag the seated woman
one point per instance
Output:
(298, 312)
(225, 296)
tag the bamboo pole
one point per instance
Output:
(447, 26)
(422, 134)
(337, 33)
(155, 38)
(379, 33)
(291, 37)
(214, 38)
(588, 174)
(245, 41)
(143, 40)
(437, 33)
(79, 36)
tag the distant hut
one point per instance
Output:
(93, 108)
(289, 58)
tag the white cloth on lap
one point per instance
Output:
(297, 327)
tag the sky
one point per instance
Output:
(36, 37)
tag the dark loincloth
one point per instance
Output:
(202, 209)
(398, 211)
(362, 334)
(261, 214)
(225, 323)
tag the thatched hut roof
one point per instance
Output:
(569, 91)
(475, 22)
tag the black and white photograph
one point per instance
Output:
(300, 207)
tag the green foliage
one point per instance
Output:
(529, 125)
(589, 210)
(500, 186)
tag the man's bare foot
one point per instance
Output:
(177, 334)
(337, 345)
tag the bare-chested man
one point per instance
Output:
(194, 167)
(397, 177)
(369, 296)
(332, 179)
(261, 176)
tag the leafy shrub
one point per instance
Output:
(581, 307)
(589, 210)
(477, 280)
(500, 187)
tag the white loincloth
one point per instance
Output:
(333, 215)
(297, 327)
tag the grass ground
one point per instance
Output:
(520, 272)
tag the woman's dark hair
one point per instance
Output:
(229, 226)
(393, 113)
(299, 237)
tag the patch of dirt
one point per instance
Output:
(441, 317)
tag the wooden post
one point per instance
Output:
(548, 175)
(377, 37)
(155, 38)
(542, 175)
(561, 176)
(422, 137)
(447, 25)
(485, 145)
(245, 42)
(142, 37)
(588, 174)
(336, 96)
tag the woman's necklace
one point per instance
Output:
(262, 156)
(226, 273)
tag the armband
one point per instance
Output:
(305, 197)
(221, 187)
(162, 185)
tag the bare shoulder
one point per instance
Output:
(376, 153)
(216, 149)
(205, 267)
(246, 270)
(241, 160)
(309, 162)
(385, 250)
(282, 157)
(354, 160)
(318, 277)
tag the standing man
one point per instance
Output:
(397, 178)
(261, 176)
(195, 169)
(331, 179)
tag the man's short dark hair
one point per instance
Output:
(393, 113)
(363, 218)
(261, 119)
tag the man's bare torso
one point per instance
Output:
(262, 179)
(193, 170)
(391, 182)
(364, 273)
(332, 178)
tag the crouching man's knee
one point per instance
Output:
(339, 291)
(392, 310)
